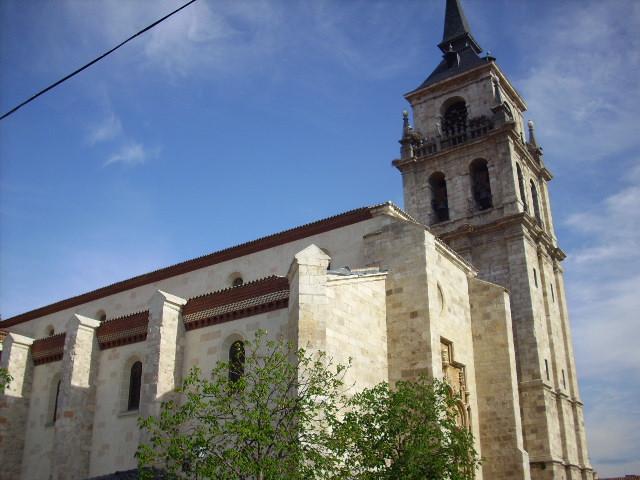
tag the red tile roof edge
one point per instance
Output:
(52, 346)
(320, 226)
(237, 314)
(252, 289)
(134, 326)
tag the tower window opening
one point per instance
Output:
(546, 368)
(564, 381)
(480, 184)
(237, 282)
(535, 277)
(553, 296)
(454, 123)
(55, 402)
(135, 383)
(236, 360)
(439, 200)
(523, 197)
(536, 205)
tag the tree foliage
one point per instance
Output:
(409, 432)
(283, 414)
(5, 379)
(270, 422)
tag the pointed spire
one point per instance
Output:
(456, 29)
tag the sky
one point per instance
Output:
(233, 120)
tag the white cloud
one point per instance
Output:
(131, 154)
(108, 129)
(582, 91)
(604, 281)
(582, 80)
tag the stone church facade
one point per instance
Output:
(465, 283)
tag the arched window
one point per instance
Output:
(454, 122)
(523, 196)
(480, 184)
(56, 397)
(439, 200)
(237, 282)
(236, 360)
(50, 331)
(536, 205)
(135, 382)
(101, 315)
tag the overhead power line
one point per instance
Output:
(53, 85)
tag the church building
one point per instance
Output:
(464, 283)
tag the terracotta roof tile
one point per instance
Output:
(331, 223)
(124, 330)
(49, 349)
(261, 296)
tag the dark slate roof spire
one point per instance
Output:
(457, 33)
(460, 49)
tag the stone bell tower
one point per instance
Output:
(470, 175)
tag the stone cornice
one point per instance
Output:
(453, 83)
(531, 230)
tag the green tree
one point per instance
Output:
(409, 432)
(274, 412)
(5, 378)
(264, 415)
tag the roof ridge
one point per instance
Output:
(122, 317)
(247, 284)
(189, 265)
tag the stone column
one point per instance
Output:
(162, 366)
(14, 403)
(497, 383)
(76, 402)
(308, 303)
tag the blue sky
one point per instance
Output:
(237, 119)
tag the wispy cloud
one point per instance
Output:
(582, 78)
(132, 154)
(107, 129)
(582, 90)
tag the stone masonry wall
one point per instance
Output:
(39, 430)
(14, 402)
(497, 384)
(76, 402)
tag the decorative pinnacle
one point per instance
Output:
(497, 92)
(406, 128)
(532, 136)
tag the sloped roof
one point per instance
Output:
(321, 226)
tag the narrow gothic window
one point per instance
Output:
(536, 205)
(454, 124)
(535, 277)
(546, 368)
(480, 184)
(238, 281)
(564, 381)
(523, 196)
(439, 200)
(55, 402)
(553, 296)
(236, 360)
(135, 382)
